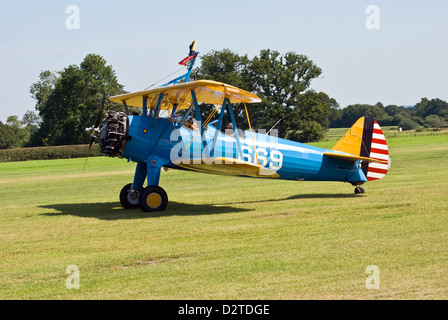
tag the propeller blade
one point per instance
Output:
(92, 139)
(100, 111)
(95, 129)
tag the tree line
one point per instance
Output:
(424, 114)
(67, 101)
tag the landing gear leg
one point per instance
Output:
(359, 190)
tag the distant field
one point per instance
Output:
(226, 237)
(335, 134)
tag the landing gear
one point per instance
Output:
(153, 198)
(149, 199)
(129, 197)
(359, 190)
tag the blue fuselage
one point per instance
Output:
(159, 141)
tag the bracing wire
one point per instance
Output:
(164, 78)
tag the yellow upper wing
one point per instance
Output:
(206, 91)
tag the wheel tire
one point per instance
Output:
(153, 198)
(359, 190)
(129, 200)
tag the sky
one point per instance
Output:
(395, 53)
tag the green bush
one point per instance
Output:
(419, 129)
(434, 121)
(408, 124)
(47, 153)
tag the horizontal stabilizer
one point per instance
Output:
(226, 166)
(352, 158)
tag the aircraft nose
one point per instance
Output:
(114, 134)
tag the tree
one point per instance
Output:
(6, 136)
(69, 103)
(428, 107)
(225, 66)
(282, 81)
(335, 115)
(42, 89)
(408, 124)
(434, 121)
(31, 119)
(310, 118)
(352, 113)
(31, 122)
(399, 117)
(231, 68)
(13, 122)
(20, 135)
(282, 78)
(13, 134)
(392, 110)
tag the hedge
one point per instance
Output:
(47, 153)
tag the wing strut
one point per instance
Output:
(251, 133)
(226, 105)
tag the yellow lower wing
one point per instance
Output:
(226, 166)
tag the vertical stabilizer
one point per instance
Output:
(366, 139)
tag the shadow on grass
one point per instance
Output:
(114, 210)
(324, 196)
(303, 196)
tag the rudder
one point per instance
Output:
(366, 139)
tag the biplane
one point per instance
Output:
(171, 133)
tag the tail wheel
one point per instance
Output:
(129, 198)
(359, 190)
(153, 198)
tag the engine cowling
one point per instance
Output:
(114, 134)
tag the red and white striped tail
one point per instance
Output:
(379, 151)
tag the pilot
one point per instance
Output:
(190, 123)
(229, 129)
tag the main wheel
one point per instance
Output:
(359, 190)
(153, 198)
(129, 198)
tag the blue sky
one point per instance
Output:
(401, 62)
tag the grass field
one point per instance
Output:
(226, 237)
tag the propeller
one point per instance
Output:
(95, 130)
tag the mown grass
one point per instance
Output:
(226, 237)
